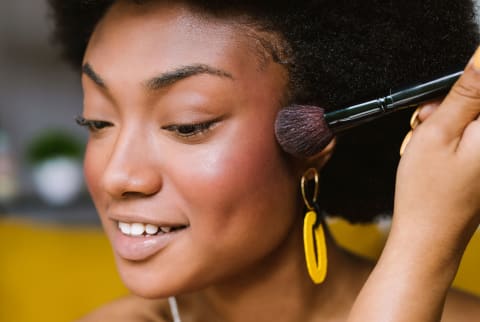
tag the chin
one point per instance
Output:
(151, 283)
(149, 292)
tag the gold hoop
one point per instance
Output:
(307, 176)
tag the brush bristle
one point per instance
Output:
(302, 130)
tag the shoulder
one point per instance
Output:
(461, 307)
(131, 309)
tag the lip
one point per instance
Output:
(141, 247)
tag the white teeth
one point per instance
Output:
(166, 229)
(138, 229)
(151, 229)
(125, 228)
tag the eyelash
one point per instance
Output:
(190, 130)
(92, 125)
(182, 130)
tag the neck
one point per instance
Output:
(279, 288)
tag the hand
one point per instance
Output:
(438, 180)
(437, 209)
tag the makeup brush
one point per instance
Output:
(304, 130)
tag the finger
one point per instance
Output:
(405, 142)
(471, 142)
(420, 115)
(462, 104)
(414, 120)
(427, 109)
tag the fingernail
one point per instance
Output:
(476, 60)
(405, 142)
(426, 110)
(414, 121)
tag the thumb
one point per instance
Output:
(462, 104)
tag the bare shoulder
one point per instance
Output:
(131, 309)
(461, 307)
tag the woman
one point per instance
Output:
(197, 197)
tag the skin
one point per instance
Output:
(241, 256)
(137, 167)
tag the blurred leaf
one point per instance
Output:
(54, 143)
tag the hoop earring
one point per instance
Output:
(313, 233)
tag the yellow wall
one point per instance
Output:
(54, 273)
(368, 240)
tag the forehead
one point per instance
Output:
(169, 34)
(152, 18)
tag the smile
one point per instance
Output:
(138, 241)
(142, 229)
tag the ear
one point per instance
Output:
(317, 161)
(321, 158)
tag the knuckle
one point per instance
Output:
(433, 134)
(471, 144)
(472, 132)
(467, 90)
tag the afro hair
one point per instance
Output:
(341, 52)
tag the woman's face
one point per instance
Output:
(183, 143)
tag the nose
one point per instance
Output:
(131, 170)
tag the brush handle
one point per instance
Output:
(352, 116)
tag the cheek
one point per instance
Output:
(240, 182)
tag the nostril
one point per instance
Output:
(129, 171)
(124, 181)
(134, 194)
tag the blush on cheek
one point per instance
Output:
(231, 178)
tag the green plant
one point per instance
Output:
(54, 143)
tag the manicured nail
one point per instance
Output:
(476, 60)
(405, 142)
(414, 121)
(426, 110)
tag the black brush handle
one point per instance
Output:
(355, 115)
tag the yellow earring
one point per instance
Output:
(313, 233)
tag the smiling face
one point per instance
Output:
(182, 149)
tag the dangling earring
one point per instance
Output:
(313, 234)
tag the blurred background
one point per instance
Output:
(55, 263)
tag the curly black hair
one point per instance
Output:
(340, 52)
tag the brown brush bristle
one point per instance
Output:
(302, 130)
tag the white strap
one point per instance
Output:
(172, 302)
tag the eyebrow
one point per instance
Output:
(88, 70)
(167, 78)
(171, 77)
